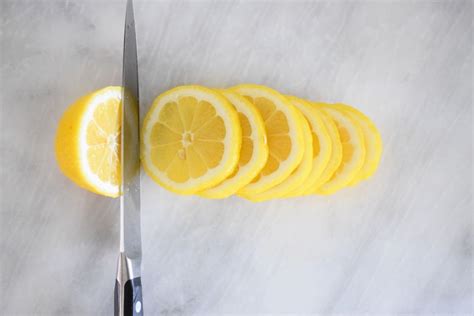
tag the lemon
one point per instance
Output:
(254, 150)
(336, 149)
(88, 141)
(372, 141)
(321, 145)
(284, 136)
(353, 151)
(191, 139)
(298, 176)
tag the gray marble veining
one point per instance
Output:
(400, 243)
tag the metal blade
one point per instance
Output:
(130, 232)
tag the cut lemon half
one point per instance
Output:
(254, 150)
(284, 136)
(88, 141)
(353, 151)
(321, 146)
(298, 176)
(372, 141)
(191, 139)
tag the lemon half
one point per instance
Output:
(88, 141)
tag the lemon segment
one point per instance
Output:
(353, 151)
(298, 176)
(322, 146)
(253, 153)
(88, 141)
(284, 137)
(372, 141)
(191, 139)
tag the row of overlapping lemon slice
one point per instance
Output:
(255, 142)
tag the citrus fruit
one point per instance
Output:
(321, 145)
(254, 150)
(335, 157)
(191, 139)
(372, 141)
(284, 136)
(88, 141)
(353, 151)
(298, 176)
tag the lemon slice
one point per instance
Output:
(353, 151)
(336, 149)
(284, 136)
(322, 146)
(191, 139)
(298, 176)
(372, 141)
(88, 141)
(254, 150)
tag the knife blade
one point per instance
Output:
(128, 287)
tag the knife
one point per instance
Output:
(128, 285)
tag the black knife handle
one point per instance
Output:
(132, 304)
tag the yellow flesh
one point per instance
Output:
(103, 140)
(187, 140)
(276, 126)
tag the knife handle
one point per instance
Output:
(128, 298)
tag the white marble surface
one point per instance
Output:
(400, 243)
